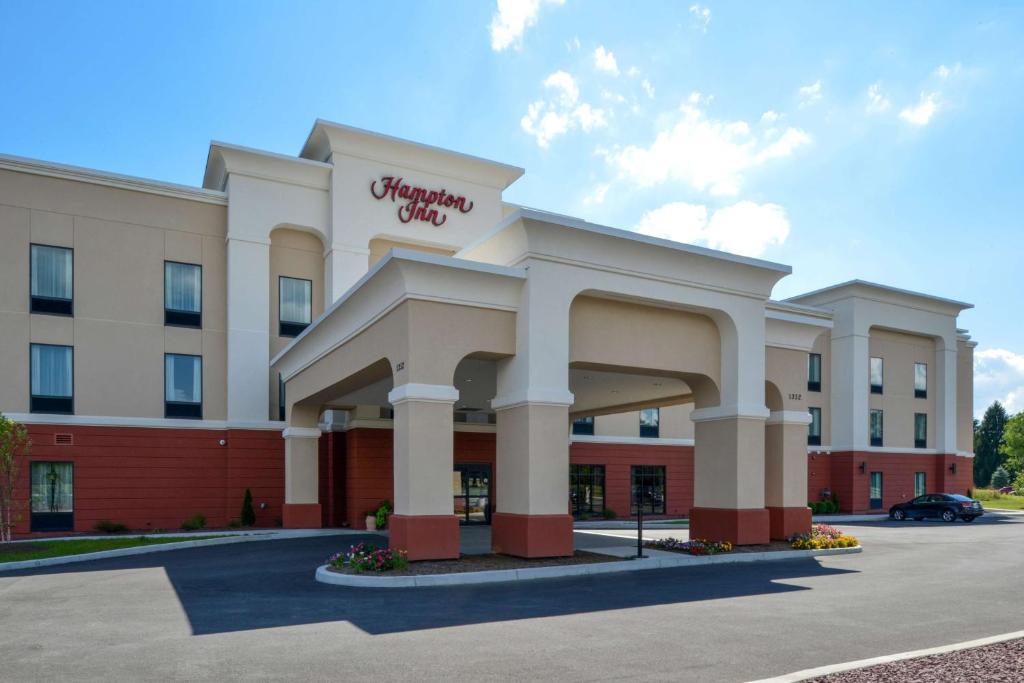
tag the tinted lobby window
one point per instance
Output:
(649, 488)
(586, 489)
(51, 280)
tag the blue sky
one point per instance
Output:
(871, 140)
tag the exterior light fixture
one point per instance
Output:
(952, 468)
(863, 467)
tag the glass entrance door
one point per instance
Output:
(471, 486)
(53, 486)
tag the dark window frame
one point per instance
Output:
(876, 503)
(596, 475)
(176, 318)
(811, 384)
(877, 440)
(648, 431)
(921, 393)
(583, 426)
(814, 439)
(654, 510)
(50, 305)
(921, 443)
(51, 405)
(876, 388)
(280, 397)
(184, 410)
(286, 328)
(924, 481)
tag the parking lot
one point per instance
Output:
(253, 611)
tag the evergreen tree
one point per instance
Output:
(987, 437)
(248, 516)
(1000, 478)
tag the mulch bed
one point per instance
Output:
(1000, 662)
(486, 563)
(774, 546)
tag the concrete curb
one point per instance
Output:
(805, 674)
(323, 575)
(839, 519)
(147, 549)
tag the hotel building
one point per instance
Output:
(369, 320)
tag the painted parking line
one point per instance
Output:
(797, 676)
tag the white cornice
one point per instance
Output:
(788, 417)
(423, 393)
(301, 433)
(115, 180)
(544, 397)
(630, 440)
(145, 422)
(743, 412)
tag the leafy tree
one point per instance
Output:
(987, 437)
(1000, 478)
(1012, 446)
(14, 443)
(248, 516)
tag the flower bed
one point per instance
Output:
(822, 537)
(368, 558)
(697, 546)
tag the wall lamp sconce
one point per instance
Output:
(862, 467)
(952, 468)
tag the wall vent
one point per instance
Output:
(63, 439)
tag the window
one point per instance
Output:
(648, 487)
(920, 430)
(586, 490)
(920, 380)
(183, 386)
(875, 491)
(51, 281)
(920, 486)
(52, 379)
(295, 306)
(814, 372)
(183, 294)
(814, 428)
(876, 428)
(51, 494)
(649, 418)
(280, 397)
(583, 425)
(876, 375)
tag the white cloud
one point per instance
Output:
(921, 114)
(745, 228)
(573, 45)
(998, 376)
(612, 96)
(511, 19)
(648, 88)
(598, 194)
(632, 72)
(545, 120)
(705, 153)
(770, 116)
(703, 15)
(877, 101)
(809, 94)
(604, 60)
(945, 72)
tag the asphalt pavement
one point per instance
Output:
(252, 611)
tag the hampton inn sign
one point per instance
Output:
(416, 201)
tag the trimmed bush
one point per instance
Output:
(248, 516)
(235, 524)
(108, 527)
(609, 513)
(194, 523)
(1000, 478)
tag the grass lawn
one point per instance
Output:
(36, 550)
(992, 499)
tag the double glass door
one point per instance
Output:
(471, 486)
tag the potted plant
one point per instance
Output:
(371, 520)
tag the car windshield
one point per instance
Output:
(957, 496)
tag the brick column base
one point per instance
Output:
(425, 537)
(740, 527)
(301, 516)
(531, 535)
(784, 522)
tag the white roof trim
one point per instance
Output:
(143, 422)
(115, 180)
(884, 288)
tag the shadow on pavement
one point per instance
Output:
(270, 584)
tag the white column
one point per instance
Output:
(248, 301)
(945, 402)
(423, 445)
(849, 370)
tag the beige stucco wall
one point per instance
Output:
(296, 254)
(965, 397)
(899, 352)
(120, 240)
(816, 399)
(674, 423)
(380, 247)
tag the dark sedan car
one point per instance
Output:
(945, 506)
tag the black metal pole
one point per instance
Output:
(639, 523)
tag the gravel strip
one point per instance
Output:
(998, 663)
(486, 563)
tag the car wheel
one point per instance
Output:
(899, 515)
(968, 519)
(948, 516)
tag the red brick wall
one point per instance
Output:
(151, 478)
(841, 473)
(617, 459)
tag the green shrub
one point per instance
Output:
(381, 515)
(248, 516)
(1000, 478)
(108, 527)
(1018, 484)
(194, 523)
(609, 513)
(235, 524)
